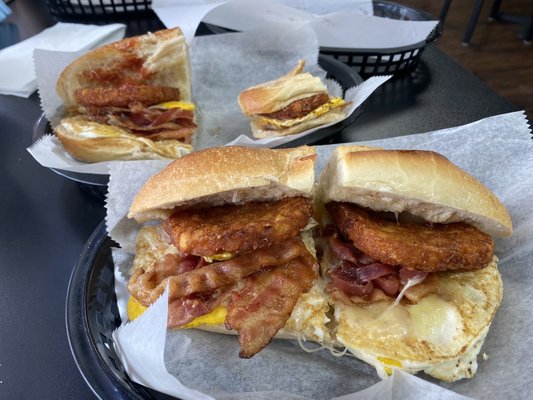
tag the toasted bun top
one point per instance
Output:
(226, 175)
(159, 58)
(277, 94)
(423, 183)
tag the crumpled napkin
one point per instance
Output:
(17, 75)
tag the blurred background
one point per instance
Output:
(497, 53)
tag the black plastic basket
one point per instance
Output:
(90, 9)
(368, 62)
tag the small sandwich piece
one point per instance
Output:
(291, 104)
(409, 259)
(129, 100)
(234, 247)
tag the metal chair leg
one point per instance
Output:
(444, 11)
(528, 35)
(495, 10)
(473, 22)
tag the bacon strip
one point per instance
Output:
(217, 274)
(357, 280)
(166, 266)
(342, 250)
(157, 124)
(263, 306)
(185, 309)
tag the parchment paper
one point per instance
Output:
(222, 66)
(341, 24)
(497, 150)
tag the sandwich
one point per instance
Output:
(291, 104)
(129, 100)
(408, 259)
(232, 244)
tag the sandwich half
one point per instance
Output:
(233, 245)
(408, 259)
(129, 100)
(291, 104)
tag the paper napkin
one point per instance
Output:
(17, 75)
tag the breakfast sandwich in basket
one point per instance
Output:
(408, 278)
(129, 100)
(408, 259)
(291, 104)
(234, 245)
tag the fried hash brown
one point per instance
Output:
(438, 247)
(125, 95)
(238, 229)
(300, 108)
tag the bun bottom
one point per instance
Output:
(90, 141)
(334, 115)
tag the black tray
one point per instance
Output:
(336, 70)
(91, 316)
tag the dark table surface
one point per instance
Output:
(46, 219)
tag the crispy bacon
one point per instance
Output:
(166, 266)
(183, 310)
(154, 123)
(152, 117)
(263, 306)
(357, 280)
(342, 250)
(390, 284)
(344, 278)
(360, 278)
(216, 274)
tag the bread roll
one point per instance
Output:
(226, 175)
(443, 331)
(157, 59)
(423, 183)
(150, 66)
(274, 95)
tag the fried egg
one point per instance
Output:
(441, 335)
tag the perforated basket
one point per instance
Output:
(368, 62)
(90, 9)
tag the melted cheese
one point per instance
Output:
(334, 102)
(225, 255)
(175, 104)
(134, 308)
(214, 318)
